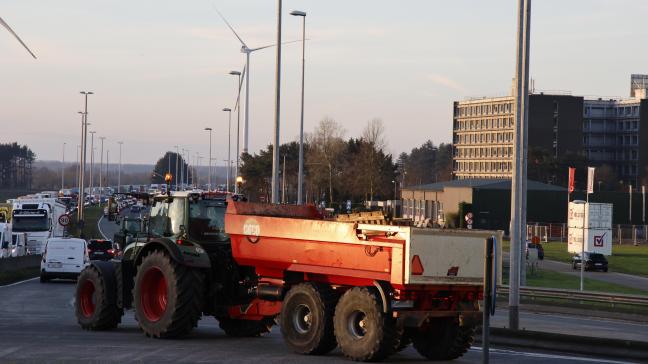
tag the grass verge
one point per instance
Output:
(18, 275)
(628, 259)
(90, 229)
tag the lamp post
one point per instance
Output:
(275, 149)
(63, 167)
(238, 121)
(229, 143)
(175, 177)
(210, 159)
(92, 133)
(120, 167)
(101, 166)
(300, 175)
(84, 137)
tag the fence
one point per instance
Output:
(634, 234)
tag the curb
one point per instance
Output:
(586, 345)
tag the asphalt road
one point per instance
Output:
(627, 280)
(37, 324)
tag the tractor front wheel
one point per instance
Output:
(93, 308)
(168, 297)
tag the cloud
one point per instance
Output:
(446, 82)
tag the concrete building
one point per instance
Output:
(604, 131)
(483, 132)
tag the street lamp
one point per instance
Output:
(175, 177)
(120, 167)
(101, 166)
(300, 175)
(238, 121)
(84, 140)
(92, 162)
(229, 147)
(63, 167)
(210, 158)
(275, 149)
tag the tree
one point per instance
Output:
(167, 164)
(16, 166)
(324, 154)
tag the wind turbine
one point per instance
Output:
(4, 24)
(247, 51)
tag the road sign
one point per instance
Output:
(469, 216)
(64, 220)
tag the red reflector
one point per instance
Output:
(180, 241)
(417, 266)
(480, 295)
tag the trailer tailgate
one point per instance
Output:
(454, 257)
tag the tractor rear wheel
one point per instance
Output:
(168, 297)
(362, 329)
(307, 319)
(444, 339)
(245, 328)
(93, 308)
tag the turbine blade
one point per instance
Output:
(272, 45)
(229, 26)
(2, 22)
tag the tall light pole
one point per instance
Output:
(120, 167)
(176, 167)
(101, 166)
(84, 138)
(78, 165)
(92, 133)
(209, 176)
(275, 149)
(518, 182)
(229, 145)
(300, 175)
(187, 157)
(238, 121)
(63, 167)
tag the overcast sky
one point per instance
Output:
(159, 68)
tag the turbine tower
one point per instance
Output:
(2, 22)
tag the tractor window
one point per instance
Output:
(207, 221)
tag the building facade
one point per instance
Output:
(606, 132)
(483, 132)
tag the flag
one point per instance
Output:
(572, 172)
(590, 180)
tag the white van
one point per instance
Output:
(64, 258)
(18, 244)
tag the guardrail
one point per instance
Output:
(598, 297)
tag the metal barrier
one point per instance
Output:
(547, 231)
(535, 292)
(621, 233)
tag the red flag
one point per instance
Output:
(572, 172)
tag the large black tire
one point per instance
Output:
(245, 328)
(168, 297)
(444, 339)
(403, 340)
(92, 307)
(363, 331)
(307, 319)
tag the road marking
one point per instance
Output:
(99, 227)
(17, 283)
(550, 356)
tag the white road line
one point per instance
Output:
(21, 282)
(99, 227)
(550, 356)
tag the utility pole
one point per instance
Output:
(63, 167)
(120, 167)
(84, 138)
(92, 163)
(275, 149)
(283, 181)
(229, 144)
(175, 176)
(518, 181)
(209, 176)
(101, 166)
(300, 175)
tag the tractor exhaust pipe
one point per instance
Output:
(267, 292)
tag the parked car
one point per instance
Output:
(100, 249)
(594, 261)
(535, 246)
(64, 258)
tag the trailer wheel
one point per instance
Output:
(363, 331)
(307, 319)
(245, 328)
(92, 307)
(444, 339)
(168, 297)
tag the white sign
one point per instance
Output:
(590, 180)
(596, 241)
(591, 215)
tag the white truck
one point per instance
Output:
(38, 218)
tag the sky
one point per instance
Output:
(159, 68)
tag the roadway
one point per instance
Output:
(38, 325)
(623, 279)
